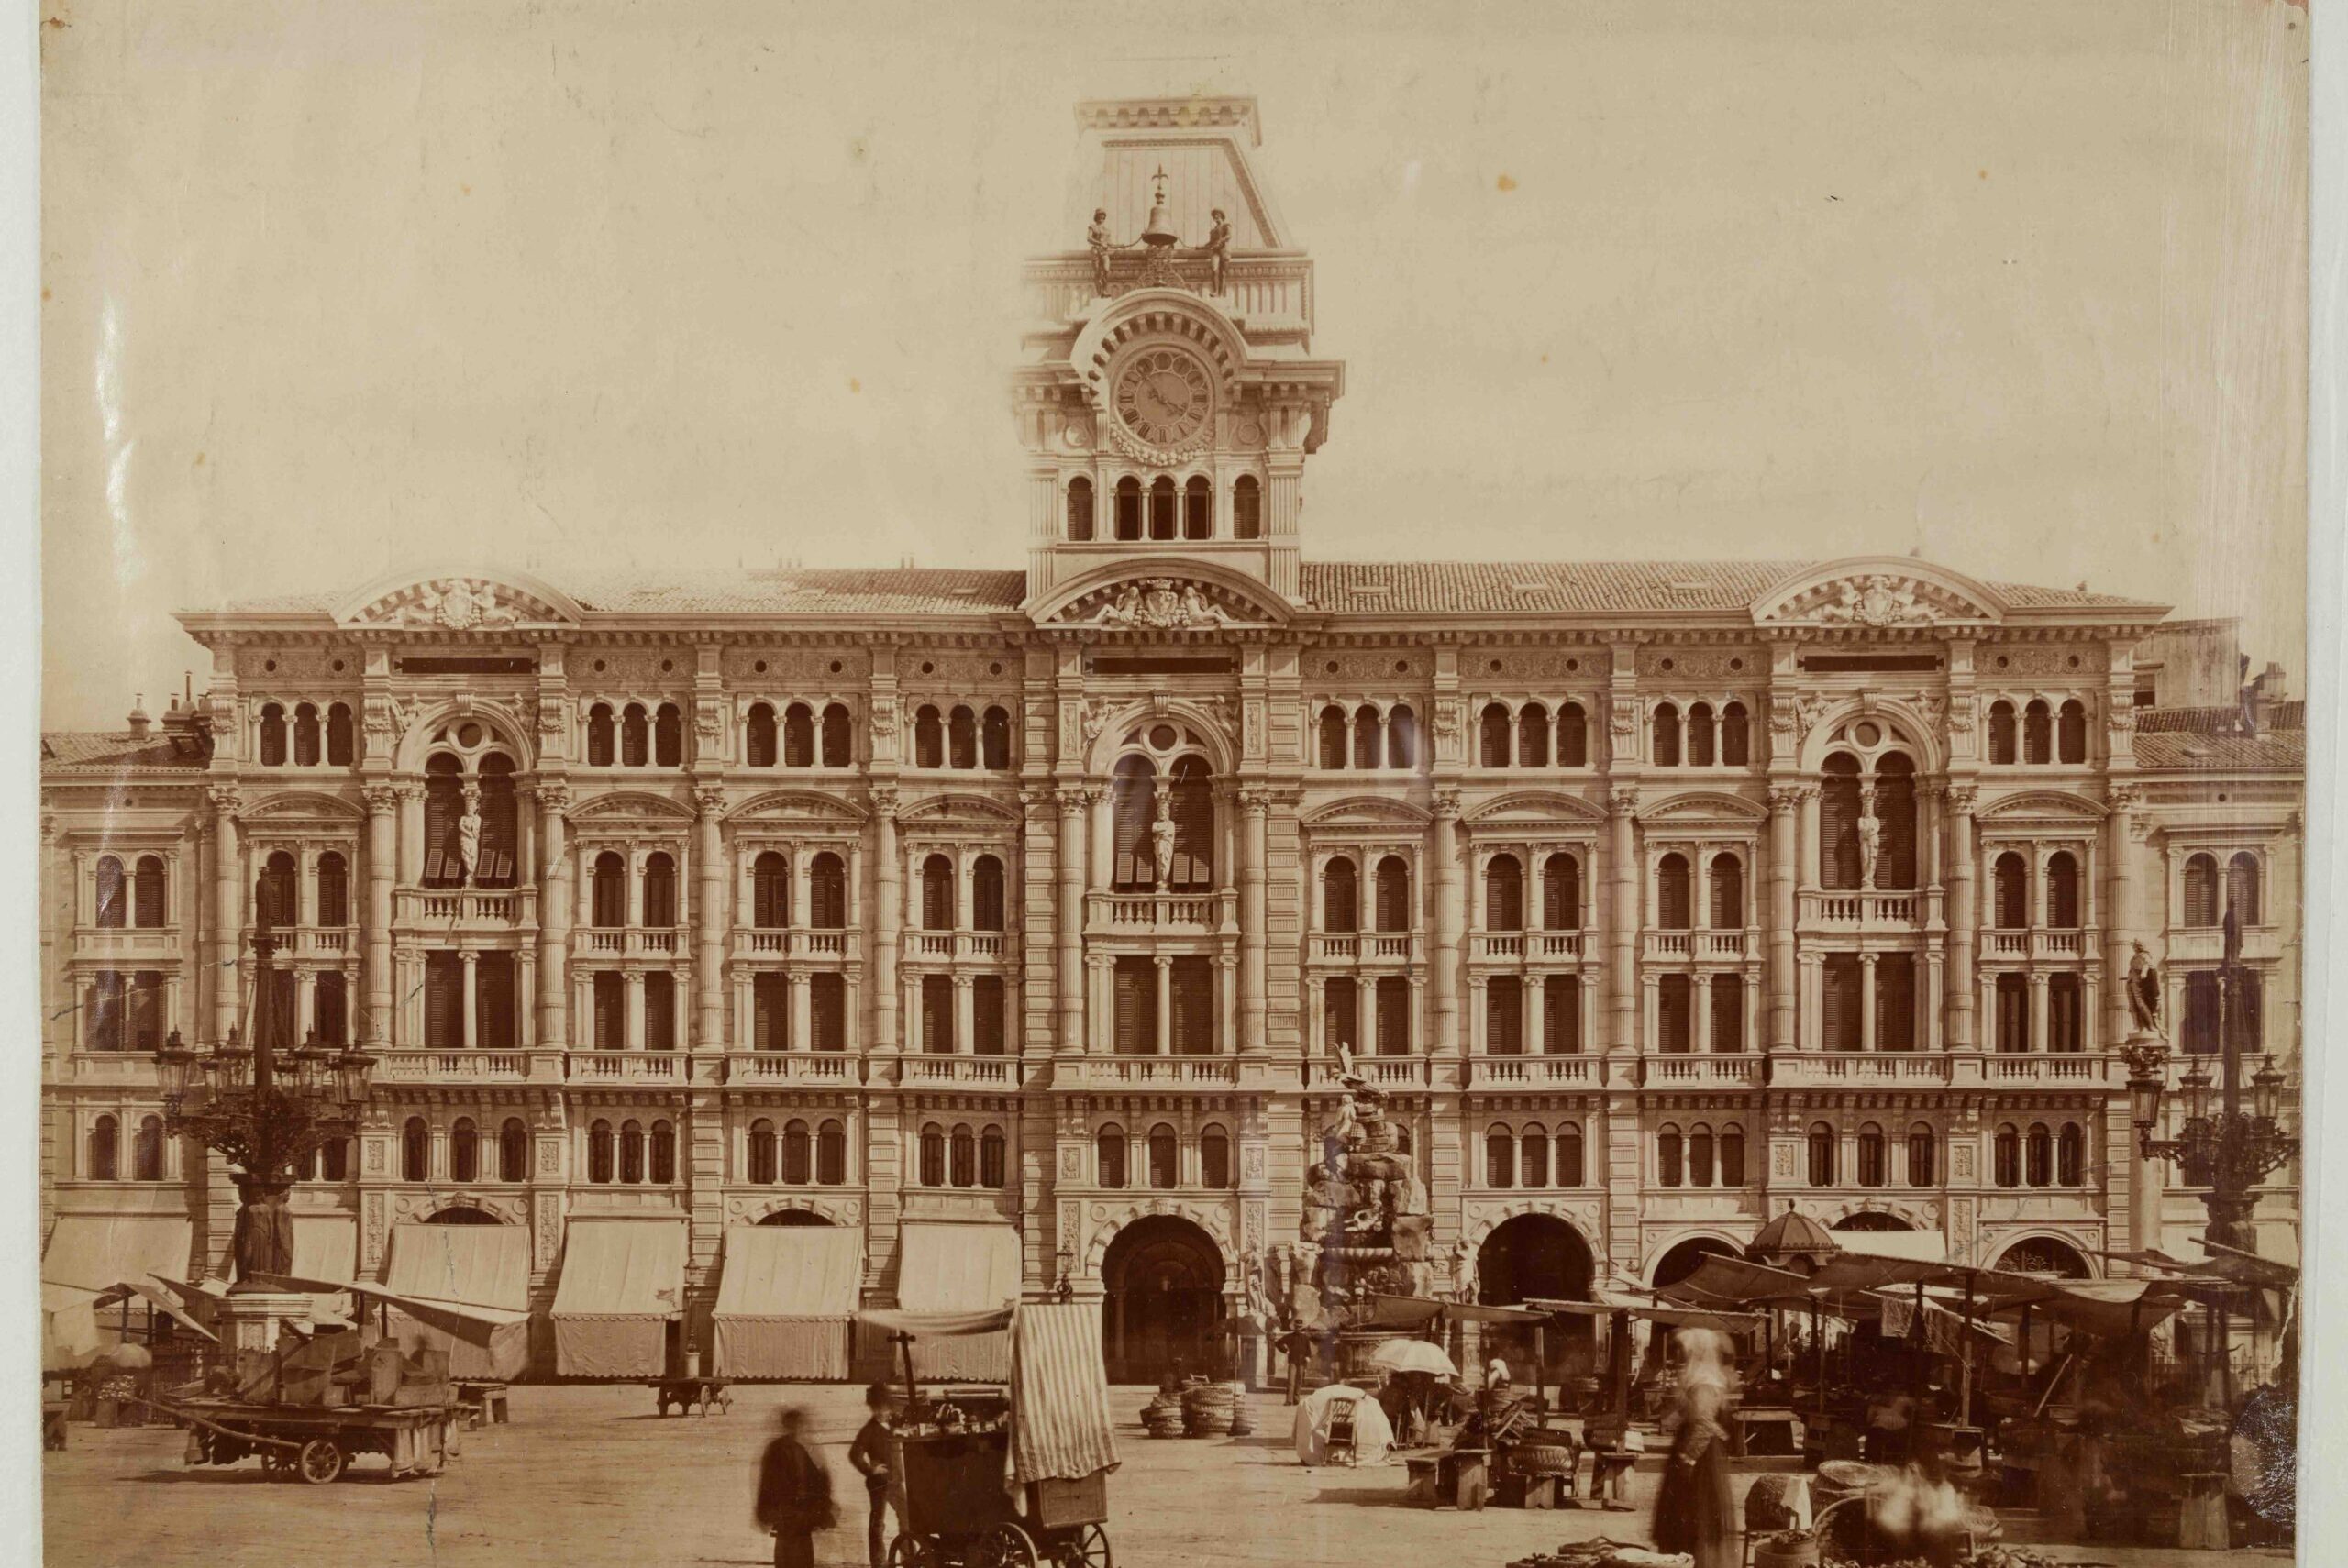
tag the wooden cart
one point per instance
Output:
(953, 1511)
(694, 1393)
(318, 1442)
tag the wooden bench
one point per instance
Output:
(1458, 1476)
(1609, 1478)
(485, 1404)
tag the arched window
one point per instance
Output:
(759, 736)
(1838, 821)
(1493, 736)
(1569, 1167)
(273, 735)
(1401, 737)
(994, 740)
(986, 893)
(1666, 735)
(1920, 1161)
(1700, 735)
(1737, 746)
(1214, 1157)
(937, 893)
(148, 890)
(105, 1150)
(114, 911)
(1331, 732)
(2241, 887)
(1080, 510)
(603, 746)
(635, 736)
(1499, 1158)
(1731, 1155)
(1728, 893)
(416, 1149)
(962, 1148)
(1198, 509)
(2010, 885)
(1109, 1154)
(2072, 733)
(2005, 1164)
(2002, 747)
(1132, 801)
(1532, 1155)
(929, 738)
(1821, 1155)
(1561, 893)
(668, 738)
(2063, 891)
(828, 893)
(1503, 894)
(308, 745)
(334, 889)
(1668, 1171)
(763, 1167)
(1164, 1165)
(464, 1151)
(932, 1155)
(1194, 814)
(609, 898)
(513, 1151)
(1700, 1155)
(1246, 508)
(1872, 1163)
(769, 891)
(599, 1152)
(2201, 890)
(1532, 736)
(2037, 732)
(798, 1166)
(664, 1153)
(1370, 746)
(1340, 897)
(277, 907)
(837, 750)
(1393, 894)
(341, 751)
(2071, 1155)
(1573, 736)
(1895, 809)
(831, 1153)
(962, 738)
(1671, 902)
(147, 1150)
(632, 1153)
(1128, 519)
(659, 890)
(1161, 508)
(994, 1161)
(798, 737)
(2038, 1155)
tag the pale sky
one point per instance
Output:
(335, 289)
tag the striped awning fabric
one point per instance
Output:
(1060, 1394)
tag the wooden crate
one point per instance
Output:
(1063, 1504)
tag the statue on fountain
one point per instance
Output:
(262, 1242)
(1364, 1224)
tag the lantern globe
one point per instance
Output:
(2196, 1086)
(2145, 1101)
(356, 1071)
(174, 1062)
(2266, 1093)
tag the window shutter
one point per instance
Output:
(1895, 807)
(442, 806)
(1393, 1017)
(443, 1000)
(1194, 832)
(1841, 1022)
(1192, 1007)
(987, 1021)
(1895, 1002)
(1340, 1019)
(1561, 1015)
(827, 1014)
(1136, 1009)
(1838, 832)
(1132, 805)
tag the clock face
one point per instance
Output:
(1164, 397)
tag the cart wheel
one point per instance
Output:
(1088, 1548)
(277, 1464)
(320, 1461)
(909, 1551)
(1004, 1545)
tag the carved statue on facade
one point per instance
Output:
(468, 837)
(1161, 602)
(2143, 984)
(1877, 600)
(1463, 1271)
(1162, 832)
(1218, 249)
(1870, 831)
(1097, 241)
(262, 1241)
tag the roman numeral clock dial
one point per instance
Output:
(1164, 399)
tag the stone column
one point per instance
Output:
(1450, 921)
(1623, 921)
(1257, 803)
(2119, 932)
(801, 988)
(306, 886)
(965, 1016)
(1785, 807)
(1700, 1014)
(1866, 1001)
(2038, 1037)
(411, 835)
(554, 916)
(1069, 934)
(1535, 1010)
(227, 908)
(887, 889)
(469, 962)
(1165, 997)
(634, 1041)
(382, 866)
(306, 1003)
(710, 923)
(1964, 922)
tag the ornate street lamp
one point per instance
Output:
(1065, 1291)
(265, 1119)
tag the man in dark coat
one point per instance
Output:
(870, 1454)
(794, 1494)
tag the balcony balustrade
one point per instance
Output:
(1517, 946)
(1386, 1072)
(1200, 912)
(627, 1066)
(1535, 1072)
(1857, 912)
(2014, 945)
(1683, 946)
(465, 908)
(950, 947)
(1708, 1071)
(1844, 1069)
(1367, 948)
(127, 946)
(439, 1066)
(756, 944)
(1163, 1072)
(631, 941)
(820, 1069)
(960, 1072)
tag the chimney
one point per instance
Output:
(139, 722)
(2269, 692)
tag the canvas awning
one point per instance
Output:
(622, 1282)
(1061, 1429)
(156, 1298)
(88, 1253)
(1719, 1280)
(945, 1267)
(1670, 1314)
(435, 1272)
(785, 1296)
(1920, 1246)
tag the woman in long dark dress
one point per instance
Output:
(1694, 1509)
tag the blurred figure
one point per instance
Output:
(794, 1493)
(1694, 1511)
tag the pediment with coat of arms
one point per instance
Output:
(1162, 604)
(459, 603)
(1878, 594)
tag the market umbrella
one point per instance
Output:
(1792, 1240)
(1414, 1355)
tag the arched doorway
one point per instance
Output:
(461, 1215)
(794, 1216)
(1163, 1279)
(1683, 1260)
(1873, 1221)
(1537, 1258)
(2044, 1254)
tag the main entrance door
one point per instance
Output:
(1537, 1258)
(1163, 1277)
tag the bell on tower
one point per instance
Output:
(1159, 228)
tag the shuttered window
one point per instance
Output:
(937, 1015)
(1838, 824)
(498, 861)
(1728, 893)
(660, 1012)
(1340, 1017)
(987, 1022)
(1728, 1013)
(1504, 1016)
(1191, 1006)
(443, 1000)
(1840, 1030)
(1131, 801)
(1393, 894)
(828, 893)
(1503, 894)
(1135, 983)
(771, 892)
(2013, 1014)
(1895, 1002)
(2065, 1014)
(769, 1012)
(1561, 893)
(444, 802)
(497, 1017)
(1393, 1016)
(827, 1012)
(1193, 824)
(147, 893)
(1895, 808)
(1673, 1020)
(1561, 1015)
(1672, 904)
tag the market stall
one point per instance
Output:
(960, 1269)
(88, 1253)
(620, 1291)
(461, 1289)
(786, 1296)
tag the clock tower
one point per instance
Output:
(1168, 394)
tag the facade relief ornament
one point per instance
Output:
(1878, 599)
(1447, 804)
(457, 605)
(383, 799)
(1625, 720)
(884, 802)
(884, 717)
(1446, 720)
(1932, 708)
(1623, 801)
(1157, 603)
(226, 800)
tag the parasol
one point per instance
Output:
(1414, 1355)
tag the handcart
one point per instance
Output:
(317, 1444)
(953, 1447)
(688, 1392)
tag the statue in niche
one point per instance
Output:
(2144, 985)
(468, 837)
(1161, 838)
(1870, 831)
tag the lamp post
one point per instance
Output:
(264, 1114)
(1065, 1291)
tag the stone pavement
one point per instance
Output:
(589, 1476)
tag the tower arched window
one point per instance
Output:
(1872, 1165)
(1728, 893)
(932, 1155)
(2201, 890)
(798, 737)
(1895, 810)
(276, 908)
(1922, 1150)
(1493, 736)
(1838, 821)
(1128, 518)
(664, 1153)
(828, 893)
(603, 743)
(1701, 750)
(1532, 736)
(1666, 735)
(1736, 743)
(1165, 1158)
(308, 741)
(2071, 732)
(601, 1168)
(986, 894)
(838, 750)
(1533, 1155)
(2241, 887)
(1340, 896)
(1330, 731)
(416, 1149)
(1699, 1154)
(929, 738)
(1109, 1156)
(831, 1153)
(798, 1153)
(635, 736)
(1561, 893)
(2063, 891)
(1214, 1157)
(994, 736)
(1671, 893)
(150, 888)
(759, 736)
(1668, 1162)
(273, 735)
(1161, 508)
(1198, 508)
(1193, 811)
(1370, 746)
(2009, 889)
(1573, 736)
(2004, 744)
(962, 738)
(1503, 894)
(1499, 1158)
(2037, 732)
(994, 1157)
(632, 1153)
(464, 1151)
(334, 889)
(2038, 1155)
(1080, 510)
(513, 1151)
(1393, 895)
(1133, 796)
(1246, 508)
(608, 899)
(341, 749)
(2005, 1162)
(1401, 737)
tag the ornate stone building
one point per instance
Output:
(1655, 895)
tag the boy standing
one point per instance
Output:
(869, 1454)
